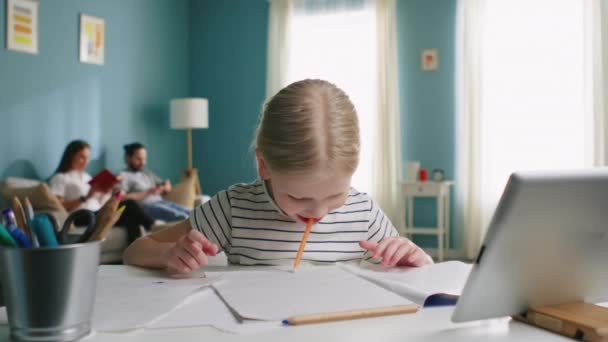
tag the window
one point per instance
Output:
(534, 91)
(339, 45)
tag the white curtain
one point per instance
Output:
(352, 44)
(468, 131)
(277, 49)
(529, 96)
(387, 157)
(597, 13)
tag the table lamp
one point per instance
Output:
(189, 113)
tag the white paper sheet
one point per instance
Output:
(417, 283)
(124, 303)
(205, 308)
(277, 295)
(127, 303)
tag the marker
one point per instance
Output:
(29, 216)
(19, 236)
(5, 238)
(44, 232)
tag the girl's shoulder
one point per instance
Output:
(358, 199)
(255, 188)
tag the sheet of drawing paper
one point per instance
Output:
(206, 308)
(278, 294)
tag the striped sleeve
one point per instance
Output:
(379, 226)
(214, 219)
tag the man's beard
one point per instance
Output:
(133, 168)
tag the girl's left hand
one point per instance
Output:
(397, 251)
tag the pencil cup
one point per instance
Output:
(49, 292)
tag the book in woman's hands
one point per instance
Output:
(429, 285)
(104, 181)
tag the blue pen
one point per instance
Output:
(29, 216)
(11, 225)
(43, 230)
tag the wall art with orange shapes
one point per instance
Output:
(22, 25)
(92, 39)
(429, 60)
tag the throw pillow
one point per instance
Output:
(182, 193)
(40, 196)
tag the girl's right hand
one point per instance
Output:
(189, 253)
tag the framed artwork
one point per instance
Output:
(92, 39)
(22, 25)
(429, 60)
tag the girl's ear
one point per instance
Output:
(262, 168)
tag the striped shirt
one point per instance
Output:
(248, 226)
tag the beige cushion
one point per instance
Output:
(40, 196)
(182, 193)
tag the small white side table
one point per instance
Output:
(439, 190)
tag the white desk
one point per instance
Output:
(440, 191)
(430, 324)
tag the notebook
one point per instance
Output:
(432, 285)
(104, 181)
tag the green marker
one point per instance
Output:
(5, 238)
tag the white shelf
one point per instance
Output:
(440, 191)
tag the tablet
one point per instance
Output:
(547, 244)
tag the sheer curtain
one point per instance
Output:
(351, 44)
(528, 92)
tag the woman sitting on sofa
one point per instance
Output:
(70, 183)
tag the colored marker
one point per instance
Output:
(5, 238)
(43, 229)
(19, 236)
(29, 216)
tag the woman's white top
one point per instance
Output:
(72, 185)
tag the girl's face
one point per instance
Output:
(80, 160)
(302, 197)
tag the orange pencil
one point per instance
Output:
(302, 244)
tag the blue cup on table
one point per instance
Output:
(49, 292)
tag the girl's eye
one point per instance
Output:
(294, 198)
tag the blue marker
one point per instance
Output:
(11, 225)
(44, 232)
(29, 216)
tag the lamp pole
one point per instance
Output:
(189, 148)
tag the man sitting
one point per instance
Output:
(144, 186)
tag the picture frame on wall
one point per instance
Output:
(92, 39)
(429, 60)
(22, 25)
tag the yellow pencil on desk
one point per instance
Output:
(351, 314)
(302, 244)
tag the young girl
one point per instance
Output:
(307, 149)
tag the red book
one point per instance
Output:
(104, 181)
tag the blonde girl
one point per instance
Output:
(307, 149)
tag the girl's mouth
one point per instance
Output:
(305, 219)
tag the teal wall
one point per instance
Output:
(228, 67)
(427, 97)
(160, 49)
(48, 99)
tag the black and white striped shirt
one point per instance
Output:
(247, 225)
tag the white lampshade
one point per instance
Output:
(189, 113)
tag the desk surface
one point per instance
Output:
(429, 324)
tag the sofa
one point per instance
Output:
(43, 201)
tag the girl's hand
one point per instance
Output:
(397, 251)
(189, 253)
